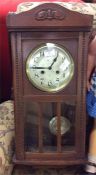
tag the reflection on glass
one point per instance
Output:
(31, 127)
(49, 140)
(68, 139)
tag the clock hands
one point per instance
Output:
(54, 60)
(50, 67)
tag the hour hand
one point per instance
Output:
(38, 67)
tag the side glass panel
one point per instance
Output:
(68, 124)
(49, 139)
(31, 127)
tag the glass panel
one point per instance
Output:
(49, 138)
(31, 127)
(41, 127)
(68, 136)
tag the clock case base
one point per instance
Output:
(50, 163)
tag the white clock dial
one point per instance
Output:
(50, 67)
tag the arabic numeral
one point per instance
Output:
(33, 66)
(42, 80)
(49, 83)
(35, 60)
(42, 53)
(36, 75)
(57, 79)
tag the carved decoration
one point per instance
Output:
(50, 14)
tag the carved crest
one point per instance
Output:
(50, 14)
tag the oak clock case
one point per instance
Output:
(49, 56)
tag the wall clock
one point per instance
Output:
(49, 58)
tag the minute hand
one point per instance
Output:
(39, 67)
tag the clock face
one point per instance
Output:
(50, 67)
